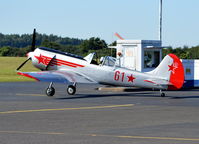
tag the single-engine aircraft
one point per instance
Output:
(70, 69)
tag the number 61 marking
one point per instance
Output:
(119, 76)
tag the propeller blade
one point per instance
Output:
(33, 40)
(32, 49)
(23, 64)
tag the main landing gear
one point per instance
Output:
(71, 89)
(50, 91)
(162, 94)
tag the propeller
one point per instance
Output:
(33, 40)
(32, 49)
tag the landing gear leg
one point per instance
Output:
(50, 91)
(162, 94)
(71, 89)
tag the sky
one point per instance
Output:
(132, 19)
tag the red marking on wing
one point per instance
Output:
(27, 75)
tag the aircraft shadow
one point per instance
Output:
(143, 94)
(184, 97)
(128, 94)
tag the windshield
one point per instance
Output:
(109, 61)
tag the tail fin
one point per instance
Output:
(171, 69)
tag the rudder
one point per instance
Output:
(171, 69)
(177, 73)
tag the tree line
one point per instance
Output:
(183, 52)
(24, 40)
(19, 45)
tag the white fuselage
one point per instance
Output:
(111, 75)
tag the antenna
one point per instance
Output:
(160, 21)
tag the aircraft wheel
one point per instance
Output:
(71, 90)
(50, 91)
(162, 94)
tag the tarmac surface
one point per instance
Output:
(28, 116)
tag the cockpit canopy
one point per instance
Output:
(108, 61)
(103, 61)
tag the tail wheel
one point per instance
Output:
(162, 94)
(50, 91)
(71, 90)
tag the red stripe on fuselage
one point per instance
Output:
(150, 81)
(67, 62)
(58, 62)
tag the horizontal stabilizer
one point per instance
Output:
(160, 82)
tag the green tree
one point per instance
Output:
(194, 52)
(50, 44)
(113, 43)
(166, 51)
(4, 51)
(93, 44)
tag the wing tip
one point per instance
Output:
(27, 75)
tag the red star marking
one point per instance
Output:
(130, 78)
(172, 67)
(42, 59)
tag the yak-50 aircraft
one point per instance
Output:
(62, 67)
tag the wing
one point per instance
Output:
(59, 76)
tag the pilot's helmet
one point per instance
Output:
(101, 59)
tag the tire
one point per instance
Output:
(71, 90)
(162, 94)
(50, 91)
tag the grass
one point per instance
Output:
(8, 65)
